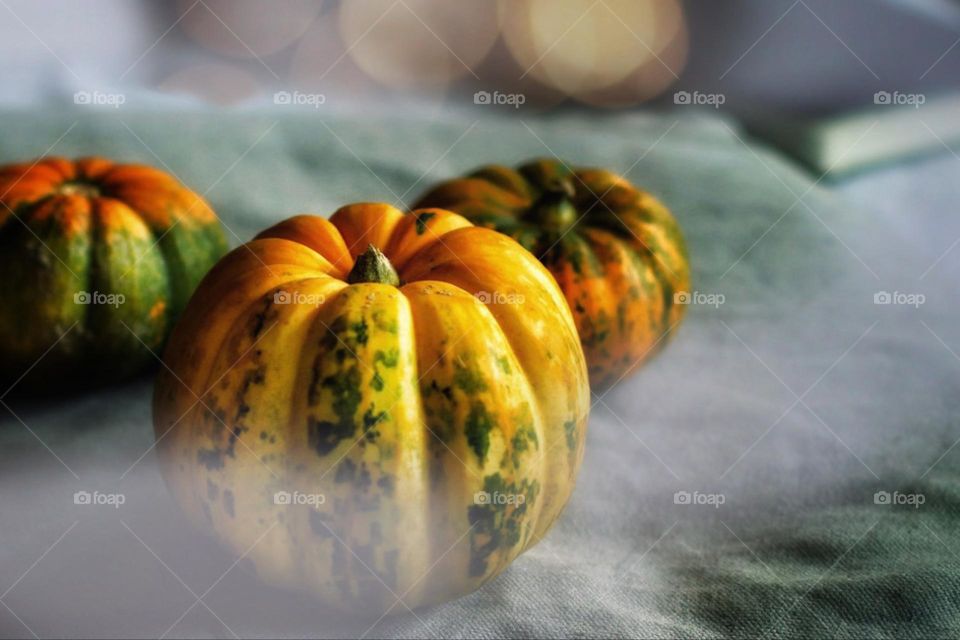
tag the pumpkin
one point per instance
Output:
(615, 250)
(374, 406)
(97, 260)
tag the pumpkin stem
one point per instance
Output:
(78, 188)
(373, 266)
(554, 208)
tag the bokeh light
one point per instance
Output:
(588, 49)
(242, 29)
(418, 43)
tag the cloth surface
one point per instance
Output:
(782, 412)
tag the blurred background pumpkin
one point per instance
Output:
(615, 250)
(98, 260)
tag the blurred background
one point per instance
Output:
(806, 56)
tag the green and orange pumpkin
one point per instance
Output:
(615, 250)
(417, 381)
(97, 260)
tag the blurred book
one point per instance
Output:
(898, 126)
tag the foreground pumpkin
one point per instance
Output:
(368, 425)
(616, 252)
(97, 260)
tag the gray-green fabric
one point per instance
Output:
(792, 403)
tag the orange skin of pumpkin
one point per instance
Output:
(279, 378)
(91, 225)
(615, 250)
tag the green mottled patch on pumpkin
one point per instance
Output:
(528, 237)
(477, 430)
(371, 419)
(440, 417)
(570, 428)
(498, 523)
(468, 380)
(576, 261)
(360, 331)
(422, 220)
(377, 381)
(384, 322)
(504, 364)
(388, 484)
(324, 435)
(524, 439)
(387, 358)
(210, 458)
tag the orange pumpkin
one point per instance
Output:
(615, 250)
(364, 423)
(97, 260)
